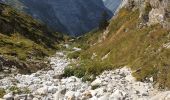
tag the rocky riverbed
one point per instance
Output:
(48, 85)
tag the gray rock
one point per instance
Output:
(21, 97)
(52, 89)
(96, 82)
(70, 95)
(105, 97)
(35, 99)
(42, 91)
(8, 96)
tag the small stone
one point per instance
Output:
(48, 83)
(70, 95)
(30, 97)
(96, 82)
(63, 91)
(72, 79)
(52, 89)
(151, 79)
(8, 96)
(20, 97)
(77, 94)
(58, 96)
(105, 97)
(35, 99)
(87, 95)
(42, 91)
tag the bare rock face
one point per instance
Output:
(159, 12)
(151, 11)
(156, 15)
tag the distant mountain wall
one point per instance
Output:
(74, 17)
(112, 5)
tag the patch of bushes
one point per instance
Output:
(87, 70)
(17, 90)
(73, 55)
(68, 72)
(2, 92)
(95, 87)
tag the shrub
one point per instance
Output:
(74, 55)
(2, 92)
(87, 70)
(15, 89)
(68, 72)
(95, 87)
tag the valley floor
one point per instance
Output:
(117, 84)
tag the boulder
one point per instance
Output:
(8, 96)
(96, 82)
(70, 95)
(105, 97)
(42, 91)
(52, 89)
(58, 96)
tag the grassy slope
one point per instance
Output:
(127, 44)
(23, 38)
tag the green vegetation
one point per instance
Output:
(17, 90)
(24, 41)
(73, 55)
(87, 69)
(21, 47)
(2, 92)
(95, 87)
(141, 48)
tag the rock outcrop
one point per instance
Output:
(151, 11)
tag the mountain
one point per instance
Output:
(137, 37)
(74, 17)
(24, 41)
(112, 5)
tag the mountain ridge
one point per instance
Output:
(67, 16)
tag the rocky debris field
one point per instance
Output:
(49, 85)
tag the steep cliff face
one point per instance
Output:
(74, 17)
